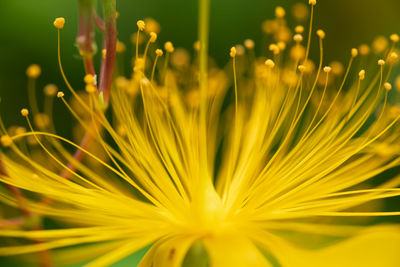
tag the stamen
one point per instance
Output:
(78, 98)
(159, 53)
(152, 39)
(141, 26)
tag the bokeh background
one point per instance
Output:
(28, 36)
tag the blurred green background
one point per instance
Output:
(28, 36)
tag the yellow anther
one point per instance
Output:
(298, 38)
(141, 25)
(395, 38)
(321, 34)
(153, 37)
(361, 75)
(152, 25)
(299, 29)
(354, 52)
(249, 44)
(159, 52)
(24, 112)
(169, 47)
(6, 140)
(104, 53)
(280, 12)
(364, 50)
(41, 120)
(388, 86)
(90, 88)
(312, 2)
(239, 50)
(337, 68)
(59, 23)
(121, 48)
(301, 68)
(60, 94)
(397, 83)
(50, 90)
(297, 52)
(116, 15)
(381, 62)
(270, 63)
(300, 11)
(327, 69)
(232, 52)
(33, 71)
(274, 48)
(196, 46)
(380, 44)
(394, 56)
(20, 130)
(281, 45)
(89, 79)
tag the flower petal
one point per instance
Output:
(234, 251)
(374, 246)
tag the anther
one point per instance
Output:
(121, 48)
(281, 45)
(270, 63)
(361, 75)
(159, 52)
(50, 90)
(321, 34)
(280, 12)
(397, 83)
(327, 69)
(298, 38)
(312, 2)
(354, 52)
(141, 25)
(364, 50)
(232, 52)
(89, 79)
(388, 86)
(301, 68)
(104, 53)
(33, 71)
(24, 112)
(274, 48)
(299, 29)
(59, 23)
(395, 38)
(394, 56)
(196, 46)
(239, 50)
(60, 94)
(381, 62)
(249, 44)
(90, 88)
(153, 37)
(6, 140)
(169, 47)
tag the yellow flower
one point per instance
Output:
(272, 163)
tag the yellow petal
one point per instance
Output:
(234, 251)
(372, 247)
(168, 252)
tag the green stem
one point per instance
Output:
(203, 32)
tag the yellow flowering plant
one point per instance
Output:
(272, 161)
